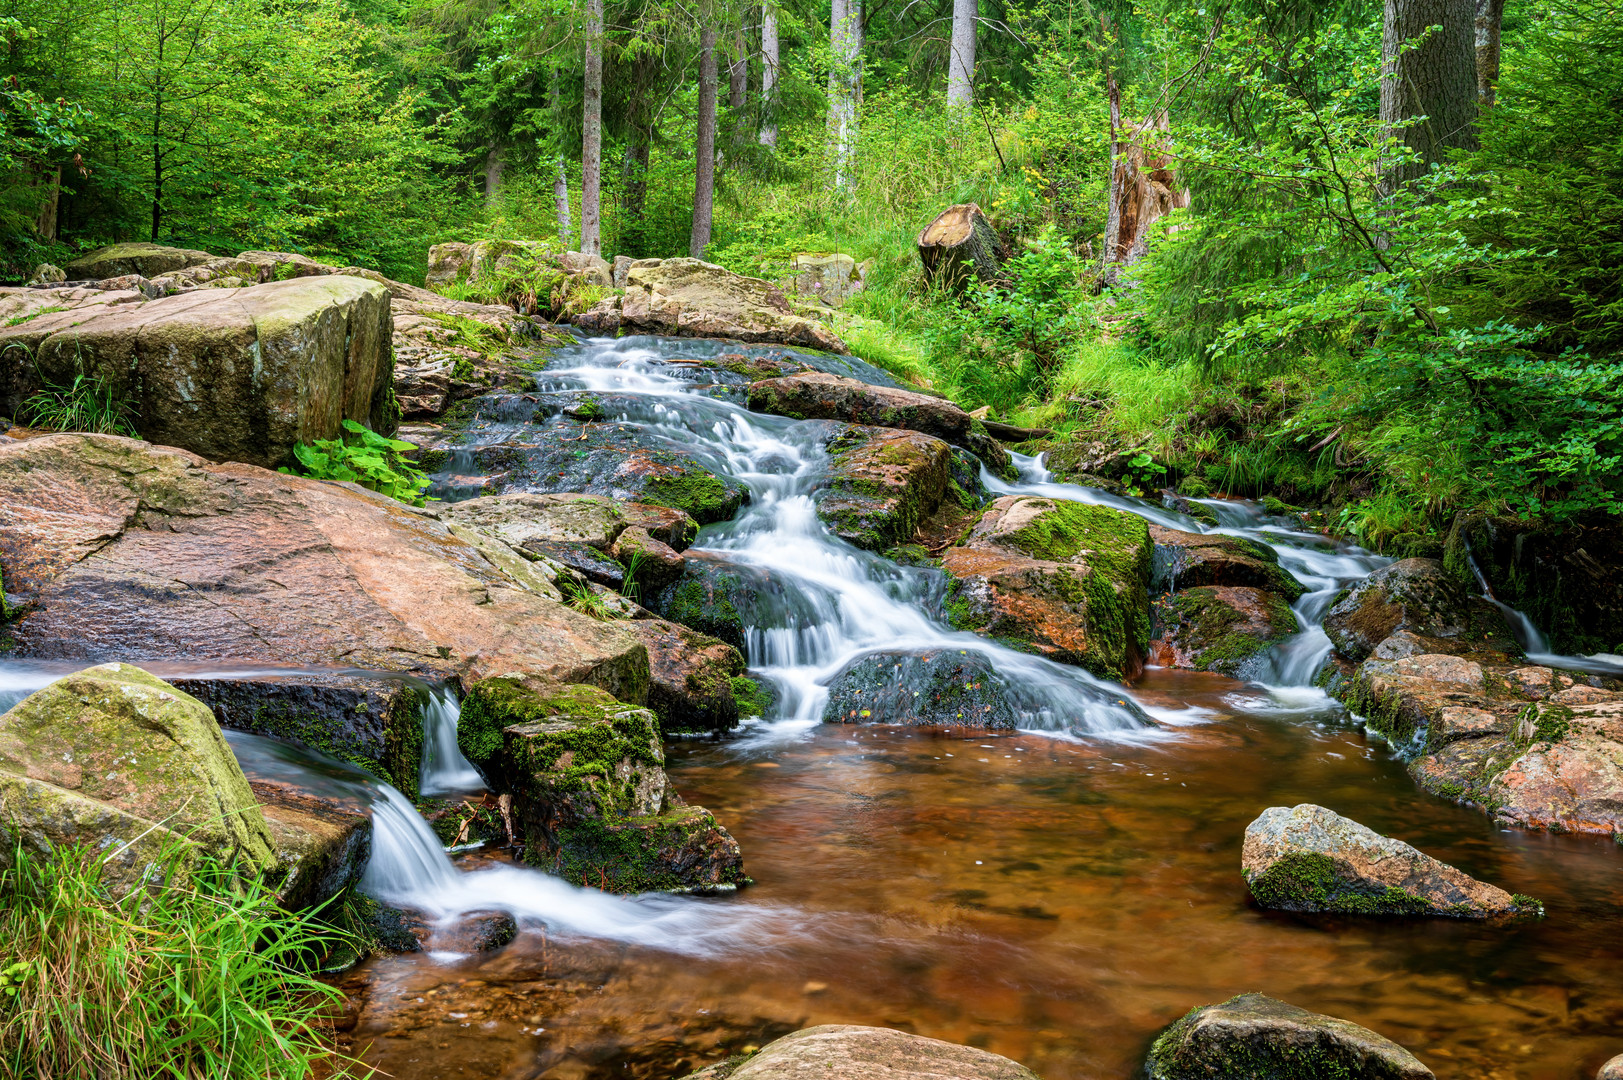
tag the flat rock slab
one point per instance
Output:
(1254, 1036)
(692, 298)
(849, 1052)
(120, 549)
(1310, 859)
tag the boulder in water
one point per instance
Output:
(1220, 627)
(696, 681)
(884, 483)
(848, 1052)
(1062, 579)
(935, 688)
(1420, 600)
(571, 517)
(128, 550)
(112, 757)
(822, 396)
(590, 792)
(692, 298)
(1612, 1070)
(1258, 1036)
(322, 844)
(1310, 859)
(719, 598)
(1185, 560)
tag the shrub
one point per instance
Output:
(363, 457)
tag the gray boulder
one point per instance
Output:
(1612, 1070)
(1257, 1036)
(1308, 859)
(849, 1052)
(1422, 602)
(147, 260)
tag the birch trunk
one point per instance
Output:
(769, 74)
(1489, 15)
(493, 176)
(961, 62)
(591, 150)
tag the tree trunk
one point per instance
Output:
(958, 245)
(845, 44)
(961, 63)
(769, 75)
(704, 152)
(45, 220)
(634, 173)
(591, 152)
(1143, 188)
(560, 201)
(1489, 14)
(493, 176)
(738, 74)
(1436, 80)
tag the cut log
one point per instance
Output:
(959, 244)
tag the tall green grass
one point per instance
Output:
(195, 975)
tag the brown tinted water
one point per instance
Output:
(1057, 902)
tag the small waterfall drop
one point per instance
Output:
(444, 770)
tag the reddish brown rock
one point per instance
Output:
(1185, 560)
(1420, 600)
(1064, 579)
(650, 564)
(1219, 627)
(125, 550)
(690, 677)
(883, 485)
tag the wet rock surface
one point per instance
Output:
(938, 688)
(821, 396)
(114, 758)
(1418, 598)
(693, 677)
(720, 598)
(321, 844)
(1062, 579)
(1309, 859)
(848, 1052)
(590, 792)
(885, 483)
(1220, 628)
(692, 298)
(1255, 1036)
(1185, 560)
(119, 548)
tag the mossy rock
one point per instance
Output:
(1222, 629)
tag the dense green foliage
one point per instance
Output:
(195, 974)
(1295, 332)
(364, 457)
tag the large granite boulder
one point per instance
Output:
(696, 682)
(119, 549)
(848, 1052)
(590, 793)
(1062, 579)
(692, 298)
(1185, 560)
(937, 688)
(1255, 1036)
(1311, 859)
(147, 260)
(1221, 628)
(233, 374)
(821, 396)
(112, 757)
(1422, 602)
(883, 484)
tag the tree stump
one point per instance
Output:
(959, 244)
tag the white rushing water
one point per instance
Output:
(444, 770)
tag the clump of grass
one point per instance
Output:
(88, 403)
(194, 974)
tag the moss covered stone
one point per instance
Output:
(1218, 628)
(883, 485)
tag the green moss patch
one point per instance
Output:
(1310, 882)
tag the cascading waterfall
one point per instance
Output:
(444, 769)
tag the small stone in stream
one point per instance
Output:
(582, 558)
(1310, 859)
(1255, 1036)
(940, 687)
(848, 1052)
(1612, 1070)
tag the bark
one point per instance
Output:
(845, 44)
(769, 74)
(591, 154)
(1143, 187)
(1489, 15)
(560, 201)
(493, 176)
(50, 200)
(634, 173)
(738, 73)
(1436, 80)
(961, 63)
(704, 153)
(958, 245)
